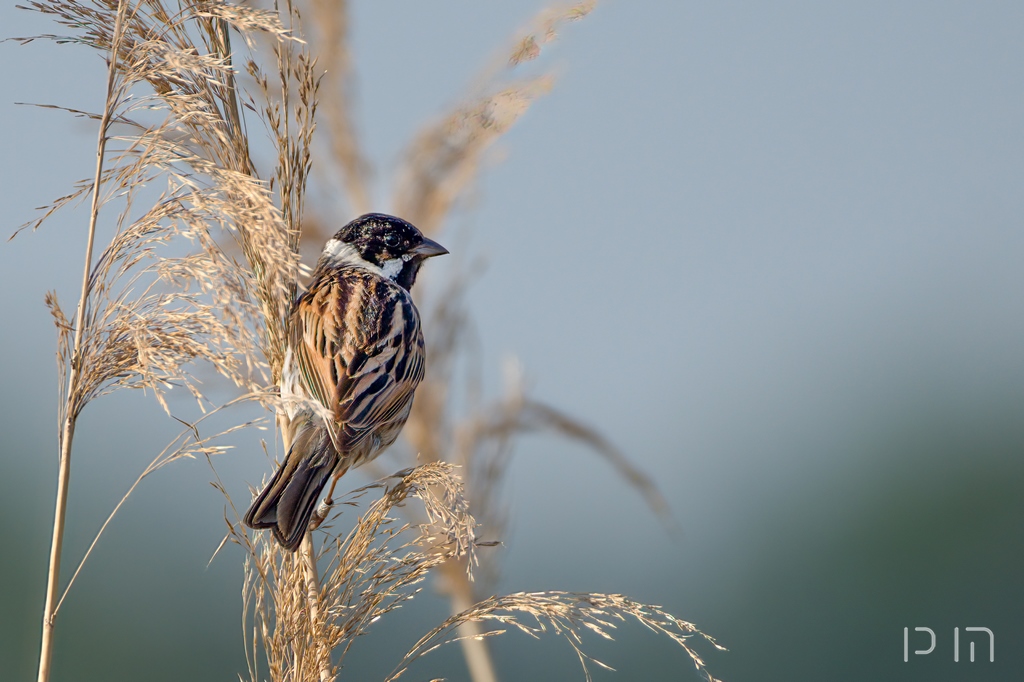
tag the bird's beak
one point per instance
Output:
(428, 248)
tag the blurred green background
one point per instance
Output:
(772, 251)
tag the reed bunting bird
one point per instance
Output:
(354, 357)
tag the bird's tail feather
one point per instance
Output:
(287, 503)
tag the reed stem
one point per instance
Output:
(474, 645)
(313, 602)
(71, 406)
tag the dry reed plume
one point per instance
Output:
(199, 272)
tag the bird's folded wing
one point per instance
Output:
(361, 364)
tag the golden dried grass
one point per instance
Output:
(368, 572)
(175, 118)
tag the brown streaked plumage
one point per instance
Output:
(356, 352)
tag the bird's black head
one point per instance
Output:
(383, 243)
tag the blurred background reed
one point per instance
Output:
(774, 253)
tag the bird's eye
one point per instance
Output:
(392, 239)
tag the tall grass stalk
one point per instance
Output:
(142, 320)
(70, 414)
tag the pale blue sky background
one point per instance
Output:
(773, 250)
